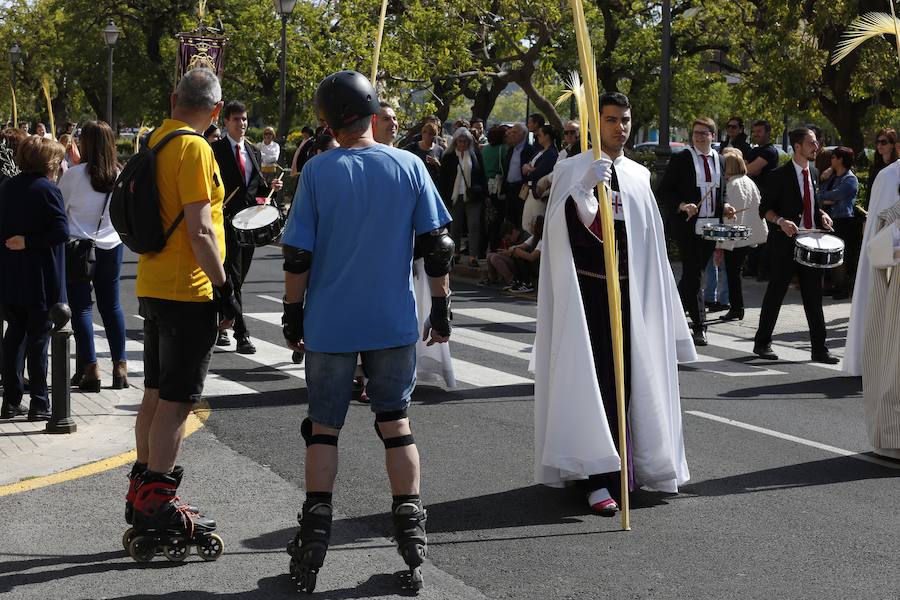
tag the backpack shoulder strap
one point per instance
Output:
(170, 136)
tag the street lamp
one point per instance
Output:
(284, 8)
(15, 56)
(110, 36)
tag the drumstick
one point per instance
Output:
(272, 190)
(737, 212)
(814, 230)
(230, 196)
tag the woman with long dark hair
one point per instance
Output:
(33, 233)
(86, 188)
(885, 154)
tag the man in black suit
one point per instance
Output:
(520, 152)
(789, 203)
(693, 187)
(239, 164)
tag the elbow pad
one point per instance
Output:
(296, 260)
(436, 247)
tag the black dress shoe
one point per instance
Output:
(825, 357)
(223, 339)
(717, 307)
(39, 415)
(765, 352)
(735, 314)
(9, 411)
(245, 346)
(699, 337)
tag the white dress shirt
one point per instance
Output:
(248, 164)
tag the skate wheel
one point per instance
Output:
(126, 538)
(210, 547)
(176, 550)
(142, 548)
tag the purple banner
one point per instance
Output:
(197, 50)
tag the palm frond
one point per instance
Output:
(863, 28)
(575, 88)
(45, 85)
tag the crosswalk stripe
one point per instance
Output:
(493, 315)
(753, 372)
(492, 343)
(786, 353)
(482, 376)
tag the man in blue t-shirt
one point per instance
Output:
(361, 213)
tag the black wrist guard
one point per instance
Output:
(225, 301)
(440, 315)
(292, 322)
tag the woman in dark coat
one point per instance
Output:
(463, 188)
(540, 165)
(33, 230)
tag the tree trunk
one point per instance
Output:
(541, 103)
(486, 98)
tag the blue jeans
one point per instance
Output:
(329, 378)
(106, 286)
(714, 277)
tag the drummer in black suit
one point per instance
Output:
(239, 163)
(693, 188)
(789, 203)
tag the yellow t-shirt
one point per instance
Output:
(186, 172)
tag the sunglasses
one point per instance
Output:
(570, 132)
(883, 142)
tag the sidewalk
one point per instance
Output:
(105, 428)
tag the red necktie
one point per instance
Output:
(240, 163)
(807, 202)
(708, 180)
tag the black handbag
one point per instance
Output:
(81, 257)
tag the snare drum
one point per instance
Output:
(818, 250)
(725, 233)
(258, 225)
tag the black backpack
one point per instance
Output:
(134, 203)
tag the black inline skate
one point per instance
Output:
(133, 479)
(409, 533)
(309, 546)
(163, 524)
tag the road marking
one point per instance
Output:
(787, 353)
(196, 420)
(756, 372)
(270, 298)
(493, 315)
(795, 439)
(481, 376)
(492, 343)
(272, 318)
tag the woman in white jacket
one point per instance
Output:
(744, 196)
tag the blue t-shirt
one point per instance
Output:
(357, 210)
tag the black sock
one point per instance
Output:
(403, 499)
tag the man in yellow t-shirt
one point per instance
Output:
(181, 289)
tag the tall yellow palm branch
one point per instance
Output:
(866, 27)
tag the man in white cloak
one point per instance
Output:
(575, 416)
(884, 196)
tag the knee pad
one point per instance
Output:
(394, 442)
(319, 438)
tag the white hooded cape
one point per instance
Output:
(884, 196)
(433, 363)
(571, 433)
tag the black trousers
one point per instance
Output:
(27, 334)
(695, 253)
(849, 230)
(514, 205)
(237, 265)
(734, 259)
(782, 269)
(596, 309)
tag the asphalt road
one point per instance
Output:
(765, 515)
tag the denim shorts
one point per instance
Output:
(329, 379)
(178, 343)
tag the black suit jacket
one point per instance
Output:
(782, 195)
(32, 206)
(528, 151)
(679, 184)
(231, 176)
